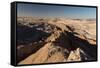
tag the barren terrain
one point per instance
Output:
(52, 40)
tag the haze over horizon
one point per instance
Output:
(56, 11)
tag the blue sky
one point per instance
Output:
(56, 11)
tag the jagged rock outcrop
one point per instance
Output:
(57, 41)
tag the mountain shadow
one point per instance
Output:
(29, 40)
(71, 42)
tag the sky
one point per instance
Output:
(24, 9)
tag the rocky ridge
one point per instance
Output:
(56, 40)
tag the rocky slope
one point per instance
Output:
(55, 40)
